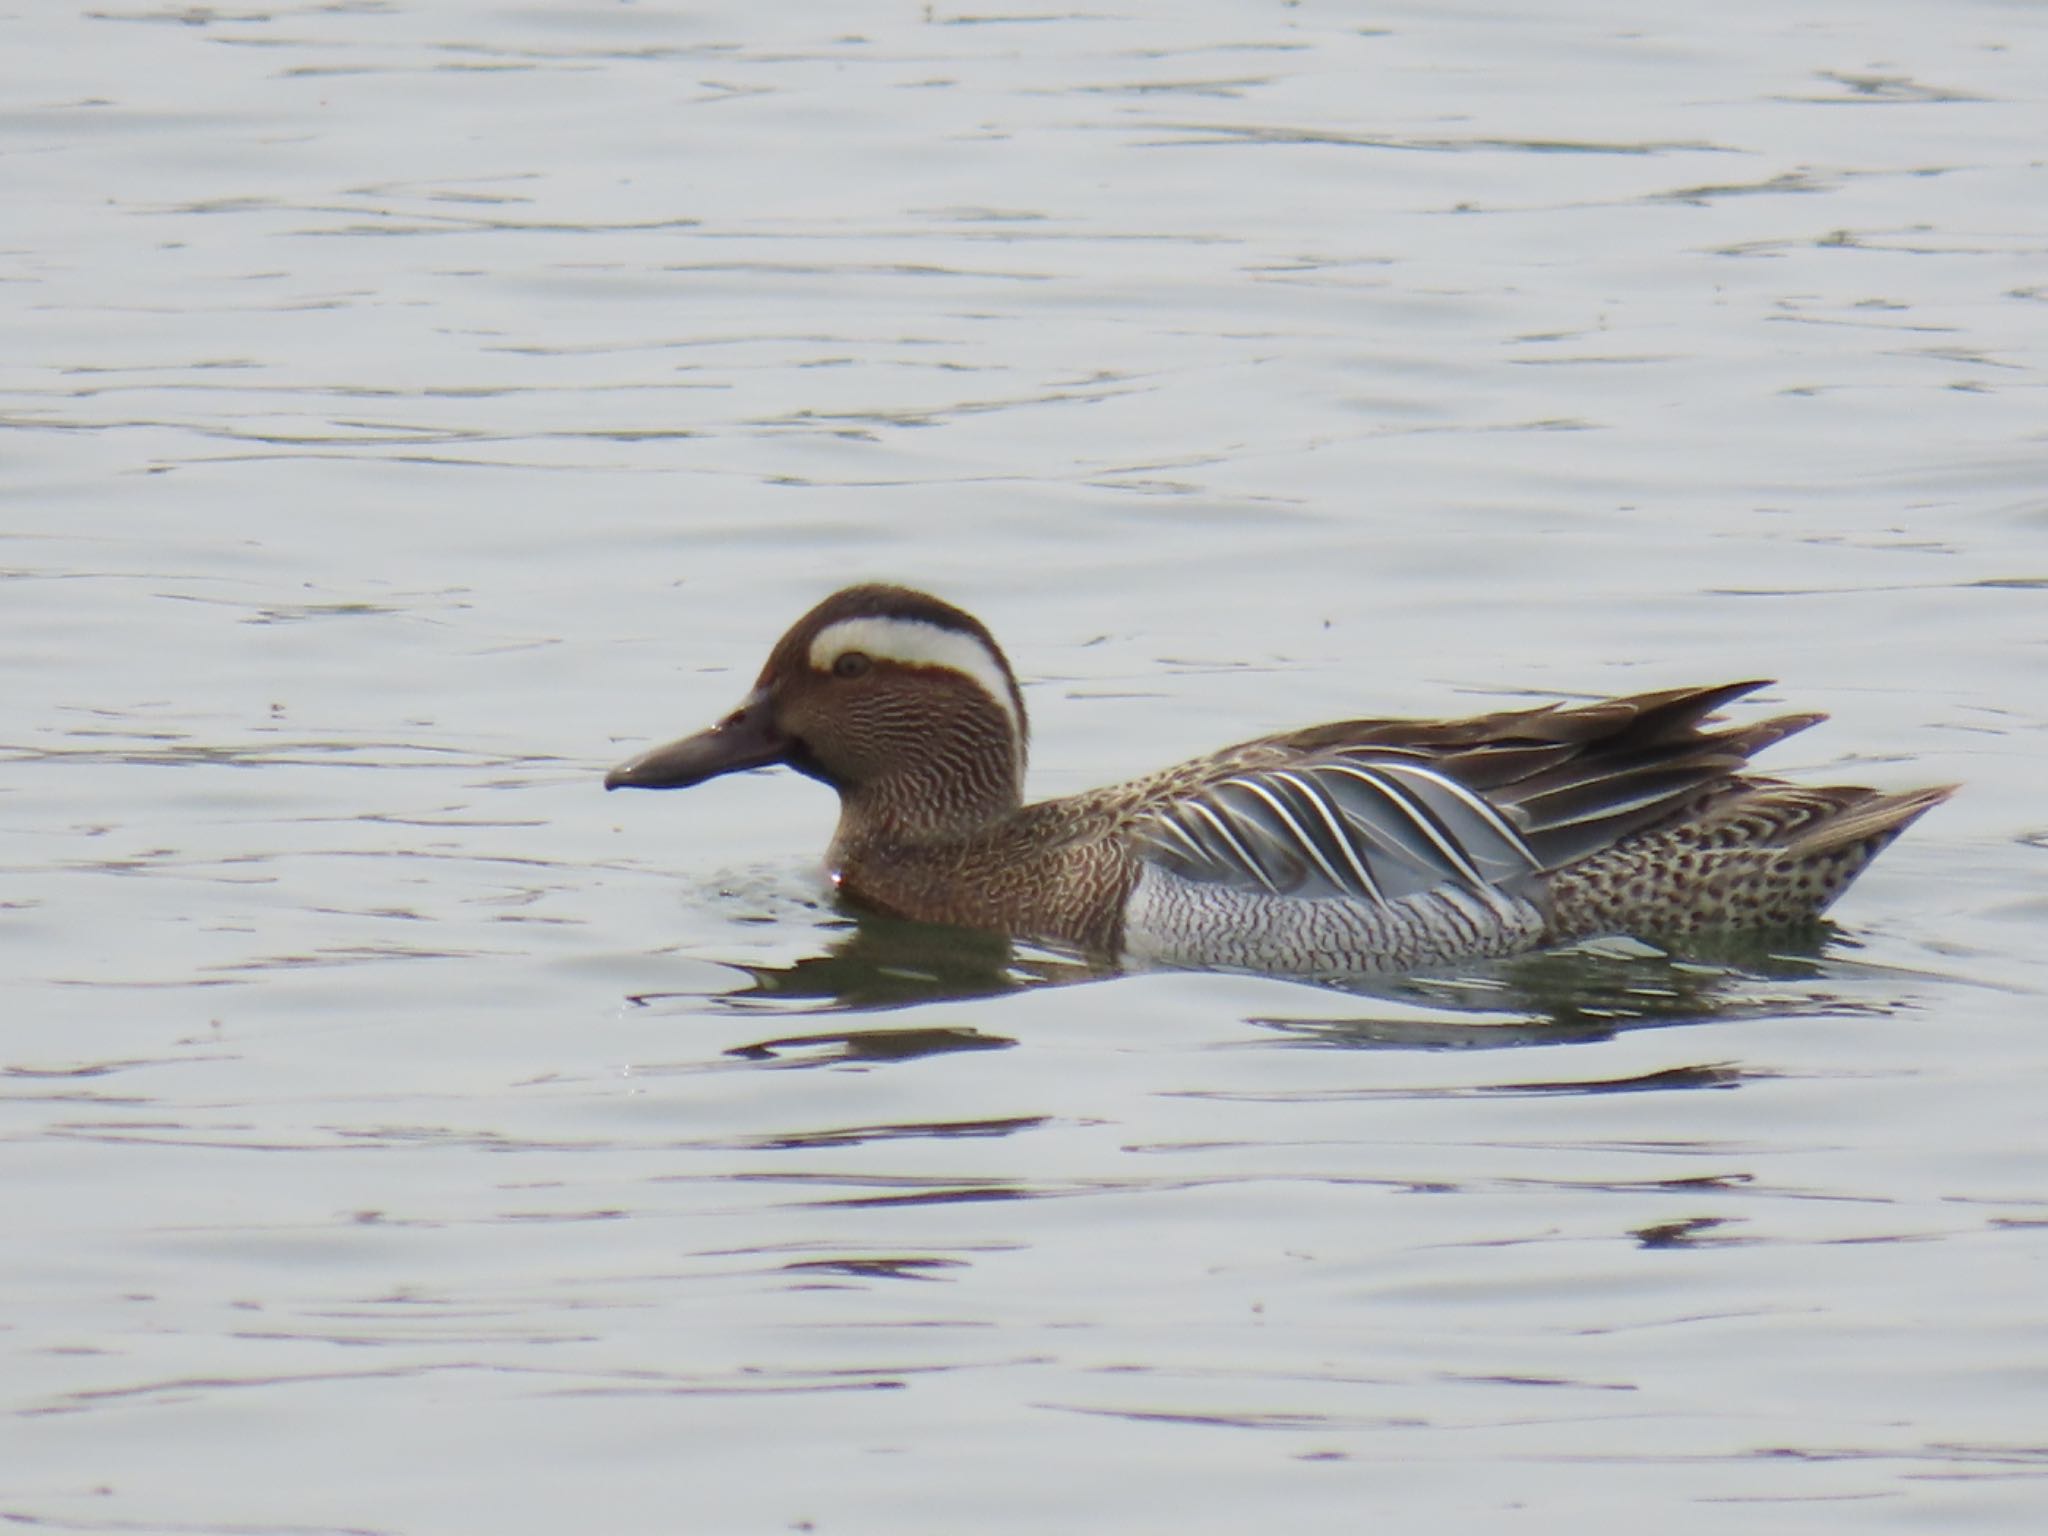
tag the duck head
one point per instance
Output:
(902, 703)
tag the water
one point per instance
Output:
(411, 411)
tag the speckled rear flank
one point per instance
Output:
(1763, 855)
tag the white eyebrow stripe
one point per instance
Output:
(914, 643)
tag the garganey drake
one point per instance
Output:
(1358, 846)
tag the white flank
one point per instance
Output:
(914, 643)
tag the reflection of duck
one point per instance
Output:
(1571, 995)
(882, 962)
(1585, 992)
(1364, 845)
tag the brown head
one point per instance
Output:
(902, 703)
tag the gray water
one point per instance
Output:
(411, 410)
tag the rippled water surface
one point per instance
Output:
(410, 410)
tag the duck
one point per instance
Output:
(1354, 847)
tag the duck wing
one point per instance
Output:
(1373, 827)
(1377, 811)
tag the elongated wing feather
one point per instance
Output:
(1377, 810)
(1371, 827)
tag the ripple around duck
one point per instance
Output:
(1577, 994)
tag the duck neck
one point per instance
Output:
(939, 801)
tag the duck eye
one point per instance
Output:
(851, 664)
